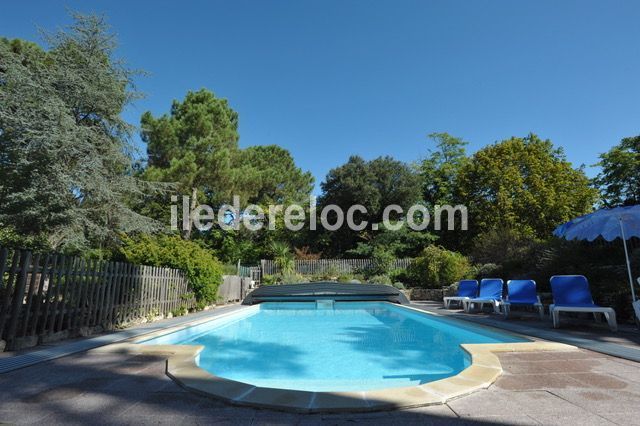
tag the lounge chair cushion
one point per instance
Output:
(490, 289)
(571, 290)
(522, 292)
(467, 288)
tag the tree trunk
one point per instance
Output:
(186, 233)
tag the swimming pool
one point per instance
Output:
(341, 346)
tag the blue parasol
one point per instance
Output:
(619, 222)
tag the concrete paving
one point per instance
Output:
(536, 388)
(10, 361)
(580, 387)
(577, 330)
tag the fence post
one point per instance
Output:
(40, 301)
(67, 284)
(6, 297)
(18, 295)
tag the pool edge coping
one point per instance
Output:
(182, 367)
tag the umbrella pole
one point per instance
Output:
(626, 255)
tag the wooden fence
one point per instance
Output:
(251, 272)
(233, 288)
(46, 294)
(323, 266)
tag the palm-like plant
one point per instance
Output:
(283, 257)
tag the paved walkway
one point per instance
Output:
(537, 388)
(584, 333)
(583, 387)
(14, 361)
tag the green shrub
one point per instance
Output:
(277, 279)
(330, 273)
(399, 275)
(178, 312)
(382, 259)
(345, 278)
(292, 278)
(269, 279)
(379, 279)
(229, 269)
(10, 238)
(438, 267)
(399, 285)
(515, 254)
(488, 270)
(283, 257)
(201, 268)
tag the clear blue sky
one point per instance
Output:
(327, 79)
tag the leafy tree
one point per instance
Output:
(351, 183)
(438, 267)
(275, 178)
(373, 184)
(440, 169)
(65, 153)
(194, 146)
(524, 184)
(619, 180)
(403, 242)
(232, 245)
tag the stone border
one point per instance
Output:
(182, 367)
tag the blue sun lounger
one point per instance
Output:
(490, 293)
(571, 294)
(522, 293)
(467, 289)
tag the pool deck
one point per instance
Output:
(583, 333)
(535, 388)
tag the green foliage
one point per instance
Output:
(379, 279)
(292, 278)
(288, 278)
(619, 180)
(269, 279)
(66, 166)
(233, 245)
(229, 269)
(381, 260)
(524, 184)
(489, 270)
(10, 238)
(181, 311)
(439, 171)
(372, 184)
(403, 242)
(515, 253)
(438, 267)
(275, 178)
(345, 278)
(399, 285)
(330, 273)
(196, 147)
(399, 275)
(203, 271)
(283, 258)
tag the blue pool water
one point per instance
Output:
(350, 346)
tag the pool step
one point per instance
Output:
(324, 304)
